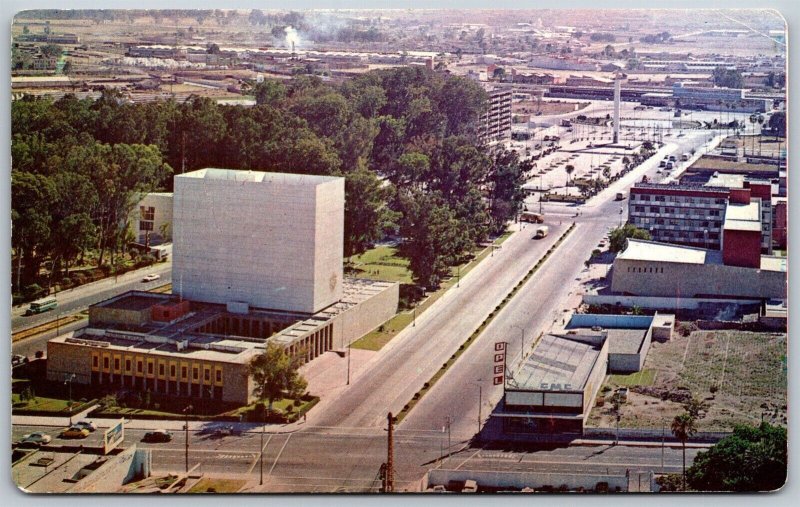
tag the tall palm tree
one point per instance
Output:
(683, 428)
(569, 168)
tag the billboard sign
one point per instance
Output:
(113, 436)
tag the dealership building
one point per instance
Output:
(555, 388)
(257, 260)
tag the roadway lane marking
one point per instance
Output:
(269, 474)
(260, 455)
(469, 458)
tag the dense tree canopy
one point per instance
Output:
(404, 139)
(751, 459)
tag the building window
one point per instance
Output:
(127, 365)
(206, 375)
(639, 209)
(172, 370)
(145, 226)
(150, 368)
(654, 209)
(184, 372)
(195, 373)
(147, 212)
(139, 367)
(219, 375)
(95, 361)
(105, 362)
(116, 363)
(161, 369)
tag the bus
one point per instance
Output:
(41, 306)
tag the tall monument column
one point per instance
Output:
(617, 83)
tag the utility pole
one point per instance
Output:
(186, 427)
(663, 429)
(349, 353)
(389, 481)
(261, 453)
(69, 380)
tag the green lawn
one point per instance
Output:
(639, 378)
(40, 403)
(382, 263)
(376, 339)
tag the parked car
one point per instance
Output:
(224, 431)
(89, 425)
(36, 439)
(151, 277)
(17, 360)
(157, 436)
(75, 432)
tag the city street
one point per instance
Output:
(316, 459)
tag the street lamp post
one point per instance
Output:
(458, 275)
(186, 427)
(521, 342)
(261, 453)
(68, 381)
(480, 402)
(349, 352)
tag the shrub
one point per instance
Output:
(66, 283)
(297, 402)
(78, 278)
(33, 291)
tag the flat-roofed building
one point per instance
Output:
(172, 347)
(271, 240)
(647, 268)
(495, 123)
(151, 219)
(554, 389)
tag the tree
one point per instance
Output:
(683, 428)
(619, 236)
(366, 214)
(275, 374)
(569, 169)
(727, 78)
(696, 407)
(753, 458)
(269, 91)
(777, 123)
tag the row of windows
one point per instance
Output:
(672, 211)
(639, 221)
(678, 199)
(645, 270)
(150, 366)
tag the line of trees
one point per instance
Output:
(404, 139)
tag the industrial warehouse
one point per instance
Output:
(257, 259)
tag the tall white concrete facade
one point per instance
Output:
(271, 240)
(617, 93)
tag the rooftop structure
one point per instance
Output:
(557, 361)
(176, 347)
(652, 269)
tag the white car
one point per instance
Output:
(37, 438)
(151, 277)
(88, 425)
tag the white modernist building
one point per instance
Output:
(269, 240)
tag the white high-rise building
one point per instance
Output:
(271, 240)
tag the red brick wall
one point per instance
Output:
(740, 195)
(779, 225)
(170, 311)
(761, 190)
(741, 248)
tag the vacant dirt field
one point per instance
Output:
(747, 370)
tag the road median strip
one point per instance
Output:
(47, 326)
(479, 330)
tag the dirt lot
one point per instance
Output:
(748, 370)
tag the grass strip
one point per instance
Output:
(377, 338)
(408, 407)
